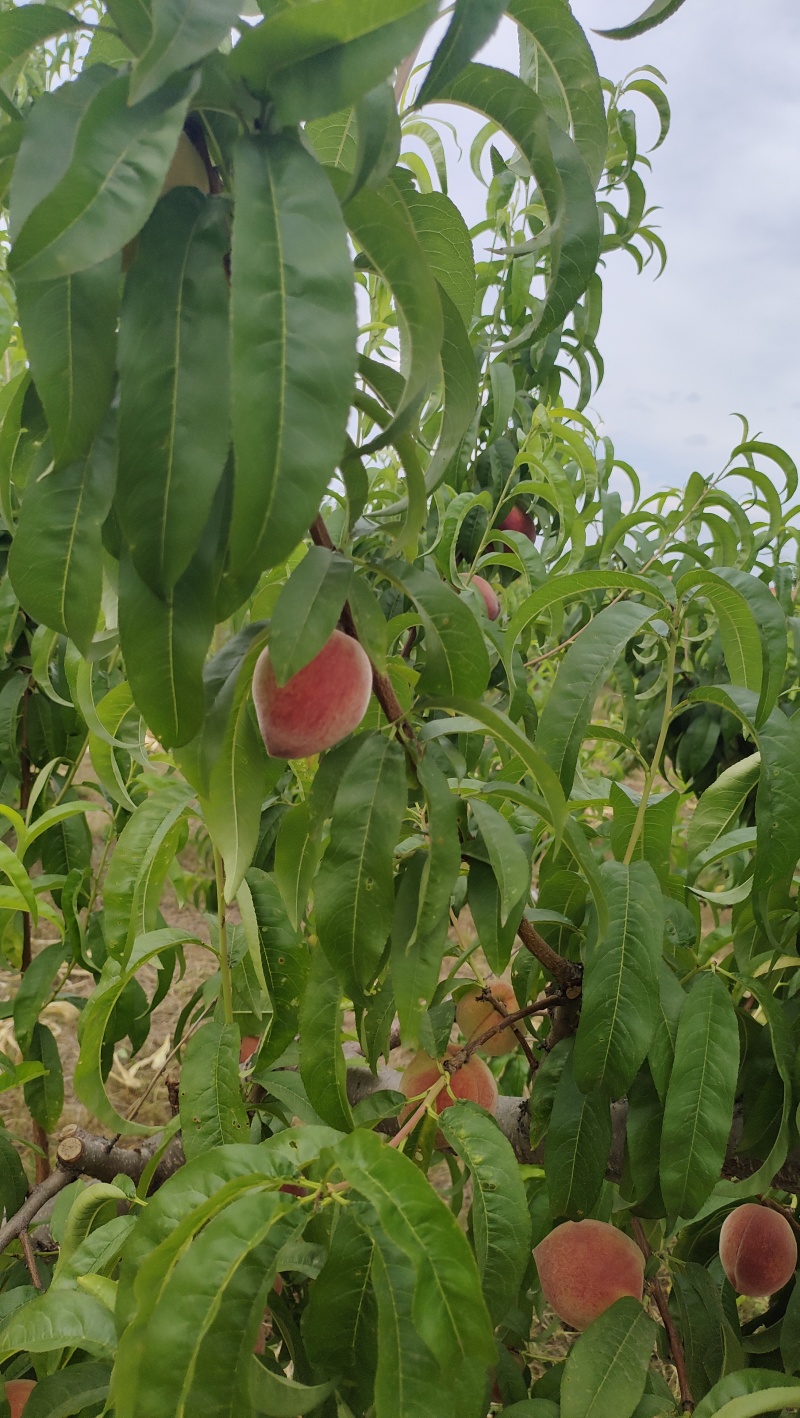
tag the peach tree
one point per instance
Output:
(329, 613)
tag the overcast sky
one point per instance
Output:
(718, 331)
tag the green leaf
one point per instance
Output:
(297, 852)
(456, 659)
(289, 255)
(790, 1333)
(183, 31)
(738, 630)
(662, 1049)
(137, 872)
(321, 56)
(720, 807)
(74, 206)
(13, 1181)
(322, 1065)
(699, 1104)
(285, 958)
(338, 1324)
(620, 985)
(747, 1394)
(279, 1397)
(173, 421)
(500, 1218)
(507, 858)
(444, 237)
(560, 38)
(473, 23)
(380, 226)
(133, 20)
(56, 559)
(560, 172)
(354, 895)
(701, 1325)
(11, 866)
(772, 629)
(408, 1381)
(783, 1053)
(69, 326)
(44, 1095)
(654, 844)
(21, 30)
(581, 675)
(307, 610)
(34, 990)
(88, 1080)
(606, 1369)
(212, 1111)
(88, 1206)
(58, 1319)
(655, 14)
(69, 1391)
(164, 643)
(449, 1312)
(577, 1147)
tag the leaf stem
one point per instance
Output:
(659, 748)
(224, 962)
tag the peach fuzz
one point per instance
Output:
(584, 1266)
(489, 596)
(758, 1250)
(18, 1391)
(318, 706)
(474, 1016)
(473, 1081)
(517, 520)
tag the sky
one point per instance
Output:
(717, 332)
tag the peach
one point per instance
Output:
(517, 520)
(584, 1266)
(489, 596)
(318, 706)
(473, 1081)
(758, 1250)
(474, 1016)
(18, 1391)
(248, 1047)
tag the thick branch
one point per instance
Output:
(566, 972)
(98, 1157)
(31, 1207)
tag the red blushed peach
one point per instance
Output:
(18, 1391)
(758, 1250)
(517, 520)
(248, 1047)
(318, 706)
(474, 1016)
(584, 1266)
(489, 596)
(473, 1081)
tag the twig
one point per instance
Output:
(662, 1305)
(41, 1194)
(519, 1034)
(566, 972)
(782, 1211)
(30, 1260)
(408, 644)
(538, 1007)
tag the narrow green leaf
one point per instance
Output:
(606, 1370)
(289, 255)
(59, 1319)
(747, 1383)
(581, 675)
(577, 1147)
(655, 14)
(408, 1381)
(136, 875)
(133, 20)
(508, 860)
(183, 31)
(354, 896)
(338, 1324)
(560, 172)
(444, 237)
(285, 959)
(307, 610)
(212, 1111)
(699, 1104)
(173, 421)
(701, 1325)
(11, 866)
(500, 1218)
(473, 23)
(322, 1066)
(34, 990)
(69, 1391)
(21, 30)
(662, 1049)
(620, 987)
(164, 643)
(56, 559)
(655, 839)
(772, 629)
(449, 1312)
(74, 206)
(44, 1095)
(456, 659)
(279, 1397)
(738, 630)
(69, 326)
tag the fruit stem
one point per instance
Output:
(411, 1123)
(224, 962)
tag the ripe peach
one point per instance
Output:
(474, 1016)
(758, 1250)
(319, 705)
(473, 1081)
(248, 1047)
(489, 596)
(517, 520)
(584, 1266)
(18, 1391)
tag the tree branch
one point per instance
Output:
(662, 1305)
(540, 1006)
(565, 972)
(31, 1207)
